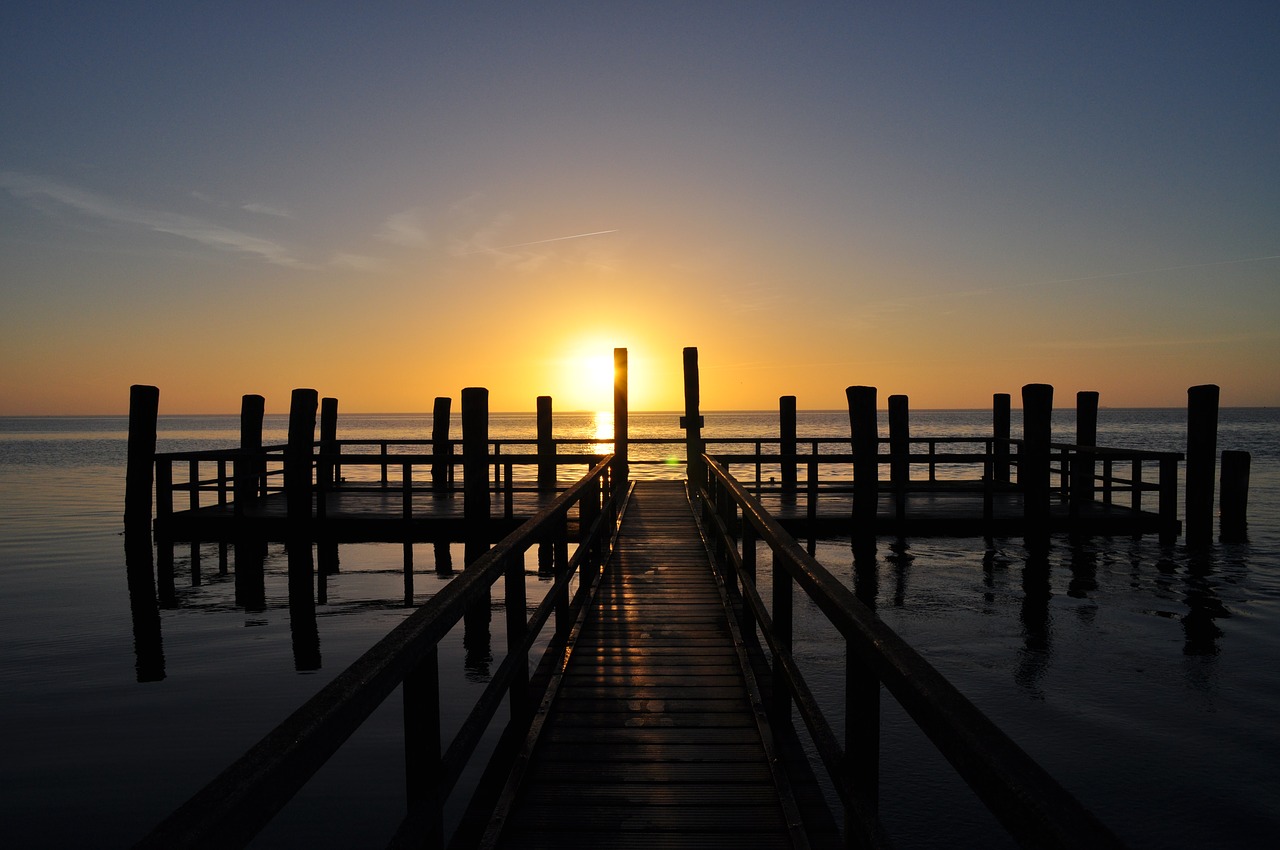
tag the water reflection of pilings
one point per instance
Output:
(900, 558)
(1204, 607)
(302, 606)
(1037, 635)
(147, 642)
(866, 572)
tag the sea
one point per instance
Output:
(1144, 677)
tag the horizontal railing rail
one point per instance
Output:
(1027, 801)
(237, 804)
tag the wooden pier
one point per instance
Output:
(661, 712)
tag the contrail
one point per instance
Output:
(544, 241)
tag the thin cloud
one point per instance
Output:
(28, 186)
(265, 209)
(405, 229)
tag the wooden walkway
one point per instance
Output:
(653, 736)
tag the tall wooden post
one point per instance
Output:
(1202, 449)
(787, 446)
(328, 442)
(251, 466)
(546, 446)
(899, 451)
(440, 449)
(298, 455)
(1000, 433)
(621, 464)
(144, 409)
(866, 458)
(1234, 497)
(1083, 468)
(475, 471)
(692, 421)
(1033, 459)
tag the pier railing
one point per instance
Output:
(236, 805)
(1028, 802)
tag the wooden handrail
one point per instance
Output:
(1031, 805)
(237, 804)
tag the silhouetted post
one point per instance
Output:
(899, 451)
(440, 449)
(1082, 470)
(621, 464)
(475, 471)
(1202, 450)
(692, 421)
(866, 458)
(250, 465)
(1033, 459)
(144, 409)
(328, 443)
(298, 455)
(787, 446)
(546, 446)
(1000, 433)
(1234, 498)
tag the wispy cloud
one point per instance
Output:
(209, 234)
(358, 262)
(266, 209)
(405, 228)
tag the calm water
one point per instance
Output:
(1144, 678)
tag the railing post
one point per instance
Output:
(144, 408)
(546, 446)
(1135, 485)
(748, 572)
(1234, 498)
(866, 458)
(1000, 432)
(862, 727)
(1202, 449)
(692, 420)
(193, 484)
(421, 696)
(440, 448)
(382, 451)
(517, 627)
(787, 447)
(900, 452)
(621, 464)
(783, 619)
(1033, 460)
(1168, 500)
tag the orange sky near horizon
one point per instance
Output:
(934, 202)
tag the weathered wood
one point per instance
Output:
(1000, 433)
(652, 731)
(144, 407)
(866, 458)
(475, 470)
(692, 422)
(1202, 450)
(1033, 457)
(298, 455)
(787, 444)
(621, 463)
(440, 447)
(1234, 497)
(546, 445)
(326, 466)
(250, 466)
(1083, 466)
(900, 451)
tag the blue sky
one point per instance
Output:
(942, 199)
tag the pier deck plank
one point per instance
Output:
(652, 739)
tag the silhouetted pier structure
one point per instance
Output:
(662, 711)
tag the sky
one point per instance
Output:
(389, 202)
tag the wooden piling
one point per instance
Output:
(1202, 449)
(1033, 458)
(899, 451)
(1000, 432)
(1233, 499)
(144, 409)
(1083, 468)
(621, 466)
(866, 461)
(787, 446)
(250, 468)
(298, 455)
(692, 421)
(475, 471)
(546, 445)
(440, 449)
(328, 443)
